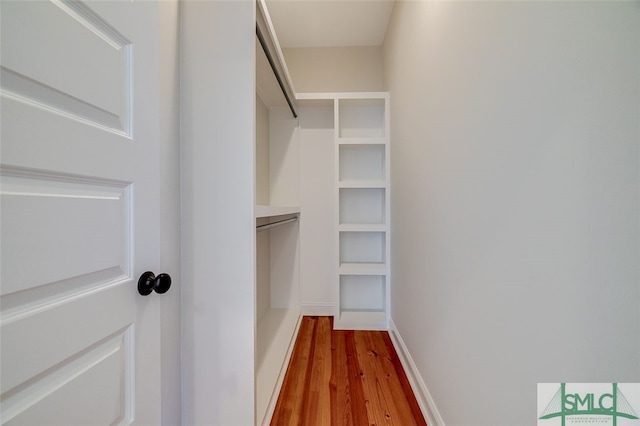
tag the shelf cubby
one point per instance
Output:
(362, 247)
(362, 162)
(363, 302)
(362, 206)
(362, 293)
(361, 118)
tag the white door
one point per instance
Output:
(80, 213)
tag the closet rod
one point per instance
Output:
(263, 43)
(261, 228)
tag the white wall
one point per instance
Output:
(218, 234)
(335, 69)
(284, 153)
(515, 202)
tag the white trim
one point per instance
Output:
(342, 95)
(318, 309)
(427, 405)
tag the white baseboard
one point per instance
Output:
(318, 309)
(428, 407)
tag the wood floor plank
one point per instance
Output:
(384, 394)
(339, 382)
(404, 381)
(317, 410)
(399, 408)
(378, 411)
(354, 374)
(344, 378)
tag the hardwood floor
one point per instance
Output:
(344, 378)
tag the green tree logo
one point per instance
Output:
(564, 405)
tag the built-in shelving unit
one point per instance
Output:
(362, 196)
(362, 216)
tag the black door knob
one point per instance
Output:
(148, 282)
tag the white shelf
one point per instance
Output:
(340, 95)
(350, 227)
(348, 268)
(276, 335)
(268, 211)
(327, 99)
(362, 141)
(363, 184)
(361, 320)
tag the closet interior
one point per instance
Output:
(308, 173)
(322, 192)
(277, 236)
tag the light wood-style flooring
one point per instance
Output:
(344, 378)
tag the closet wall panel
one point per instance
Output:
(218, 191)
(317, 202)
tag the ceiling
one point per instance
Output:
(330, 23)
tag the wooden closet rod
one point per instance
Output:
(261, 228)
(265, 47)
